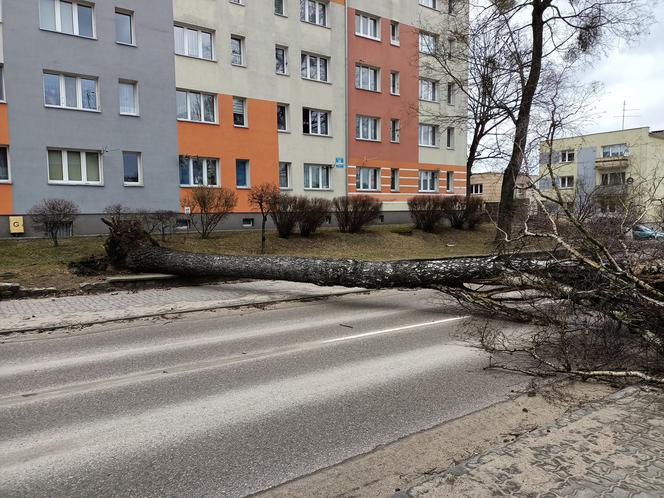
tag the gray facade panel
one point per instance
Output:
(33, 128)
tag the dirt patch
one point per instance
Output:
(390, 468)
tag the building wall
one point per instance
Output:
(28, 51)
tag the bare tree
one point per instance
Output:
(264, 197)
(53, 216)
(209, 206)
(354, 212)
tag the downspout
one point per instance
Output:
(346, 93)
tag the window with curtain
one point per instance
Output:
(74, 167)
(128, 98)
(242, 173)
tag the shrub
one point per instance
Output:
(313, 215)
(474, 212)
(426, 211)
(162, 221)
(209, 206)
(354, 212)
(462, 211)
(53, 216)
(285, 212)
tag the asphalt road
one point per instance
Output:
(233, 402)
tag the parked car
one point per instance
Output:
(642, 232)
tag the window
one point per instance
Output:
(394, 180)
(315, 122)
(198, 171)
(314, 67)
(428, 90)
(279, 8)
(367, 26)
(196, 106)
(432, 4)
(282, 117)
(133, 168)
(124, 27)
(617, 178)
(566, 182)
(281, 60)
(428, 181)
(128, 98)
(193, 42)
(451, 91)
(395, 131)
(2, 84)
(285, 176)
(477, 188)
(567, 156)
(366, 78)
(428, 135)
(367, 128)
(450, 181)
(617, 150)
(239, 111)
(4, 165)
(71, 92)
(428, 43)
(395, 83)
(395, 33)
(69, 17)
(74, 167)
(450, 138)
(237, 2)
(317, 177)
(247, 223)
(237, 51)
(450, 6)
(367, 179)
(314, 12)
(242, 173)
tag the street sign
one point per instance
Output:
(340, 162)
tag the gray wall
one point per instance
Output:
(33, 127)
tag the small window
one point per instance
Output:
(394, 180)
(74, 167)
(395, 83)
(566, 182)
(239, 112)
(432, 4)
(279, 7)
(428, 181)
(69, 17)
(477, 188)
(367, 179)
(450, 181)
(285, 176)
(366, 78)
(367, 26)
(314, 12)
(128, 98)
(314, 67)
(395, 131)
(428, 43)
(242, 173)
(237, 50)
(315, 122)
(317, 177)
(194, 42)
(196, 106)
(367, 128)
(281, 60)
(5, 176)
(71, 92)
(133, 168)
(395, 33)
(428, 90)
(282, 117)
(450, 138)
(617, 150)
(237, 2)
(124, 27)
(198, 171)
(428, 135)
(2, 83)
(247, 223)
(567, 156)
(451, 91)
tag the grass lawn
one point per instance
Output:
(35, 263)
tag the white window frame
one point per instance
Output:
(3, 97)
(310, 168)
(450, 137)
(428, 90)
(567, 156)
(477, 188)
(394, 180)
(289, 179)
(566, 182)
(451, 94)
(139, 183)
(129, 13)
(427, 43)
(395, 83)
(134, 85)
(317, 113)
(206, 165)
(243, 61)
(372, 128)
(367, 78)
(615, 150)
(79, 91)
(75, 23)
(430, 4)
(367, 26)
(198, 54)
(395, 33)
(431, 133)
(283, 9)
(284, 49)
(189, 93)
(245, 114)
(310, 58)
(9, 166)
(428, 179)
(395, 131)
(305, 12)
(247, 175)
(84, 169)
(286, 115)
(622, 175)
(368, 176)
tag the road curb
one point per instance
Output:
(102, 321)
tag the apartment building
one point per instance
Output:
(488, 185)
(608, 165)
(138, 101)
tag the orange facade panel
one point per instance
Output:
(6, 199)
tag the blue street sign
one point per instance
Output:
(340, 162)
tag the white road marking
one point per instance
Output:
(395, 329)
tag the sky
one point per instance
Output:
(632, 74)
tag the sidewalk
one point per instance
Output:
(58, 312)
(614, 447)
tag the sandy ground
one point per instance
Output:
(387, 469)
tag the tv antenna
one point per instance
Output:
(625, 114)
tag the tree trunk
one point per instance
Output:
(264, 222)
